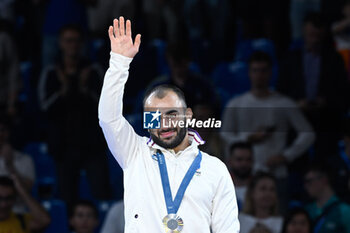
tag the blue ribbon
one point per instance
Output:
(173, 206)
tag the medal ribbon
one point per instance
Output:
(173, 206)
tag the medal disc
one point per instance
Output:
(173, 223)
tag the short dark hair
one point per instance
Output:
(71, 27)
(316, 19)
(240, 145)
(86, 203)
(292, 213)
(260, 56)
(7, 182)
(320, 168)
(161, 91)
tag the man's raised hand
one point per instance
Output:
(121, 40)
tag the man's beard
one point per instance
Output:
(173, 143)
(242, 174)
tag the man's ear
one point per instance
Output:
(189, 113)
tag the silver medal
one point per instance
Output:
(173, 223)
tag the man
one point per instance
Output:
(263, 117)
(196, 88)
(240, 164)
(328, 213)
(10, 80)
(207, 203)
(35, 220)
(69, 93)
(314, 76)
(14, 162)
(84, 217)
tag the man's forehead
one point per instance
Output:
(170, 101)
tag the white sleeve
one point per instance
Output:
(225, 209)
(121, 137)
(305, 134)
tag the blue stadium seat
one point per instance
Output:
(246, 48)
(116, 177)
(44, 166)
(59, 219)
(160, 48)
(84, 187)
(232, 77)
(26, 72)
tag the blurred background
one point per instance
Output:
(275, 72)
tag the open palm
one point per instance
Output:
(121, 40)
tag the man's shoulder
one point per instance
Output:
(213, 163)
(284, 101)
(239, 100)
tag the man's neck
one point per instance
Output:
(324, 197)
(261, 92)
(183, 145)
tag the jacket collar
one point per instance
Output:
(194, 137)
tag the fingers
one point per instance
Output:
(128, 28)
(121, 26)
(116, 28)
(110, 33)
(137, 41)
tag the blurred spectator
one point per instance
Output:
(327, 212)
(152, 10)
(103, 12)
(35, 220)
(240, 165)
(298, 10)
(260, 212)
(213, 143)
(13, 162)
(341, 166)
(7, 11)
(209, 20)
(114, 221)
(164, 19)
(59, 13)
(297, 221)
(84, 217)
(263, 118)
(69, 93)
(264, 19)
(195, 88)
(315, 77)
(10, 82)
(341, 32)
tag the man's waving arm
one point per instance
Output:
(121, 138)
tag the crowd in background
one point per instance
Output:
(277, 73)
